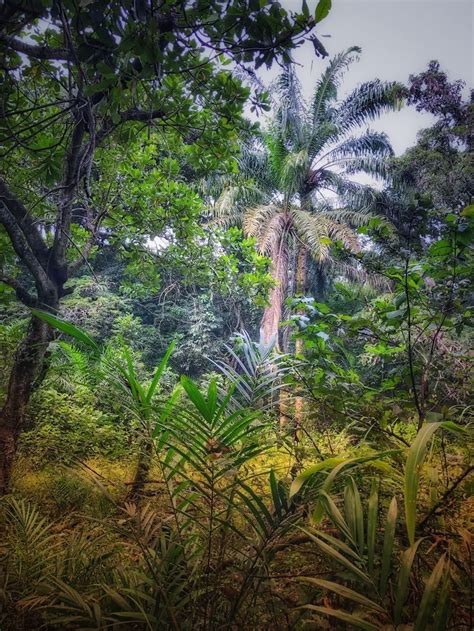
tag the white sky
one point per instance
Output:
(398, 38)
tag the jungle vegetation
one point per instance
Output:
(235, 382)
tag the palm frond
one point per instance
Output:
(355, 273)
(313, 232)
(358, 197)
(328, 84)
(254, 163)
(371, 143)
(325, 132)
(349, 217)
(260, 221)
(277, 150)
(290, 112)
(370, 164)
(294, 172)
(340, 231)
(254, 370)
(273, 235)
(228, 209)
(368, 101)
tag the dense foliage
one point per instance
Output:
(236, 384)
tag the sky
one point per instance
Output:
(398, 38)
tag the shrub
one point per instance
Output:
(66, 426)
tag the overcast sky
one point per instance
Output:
(398, 38)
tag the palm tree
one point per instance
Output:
(288, 178)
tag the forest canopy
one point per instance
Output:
(235, 325)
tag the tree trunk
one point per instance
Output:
(143, 469)
(271, 319)
(27, 368)
(272, 315)
(301, 275)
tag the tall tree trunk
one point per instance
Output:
(142, 471)
(271, 319)
(49, 269)
(27, 368)
(272, 315)
(301, 276)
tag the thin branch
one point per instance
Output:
(12, 209)
(21, 292)
(38, 52)
(434, 510)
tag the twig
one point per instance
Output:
(445, 495)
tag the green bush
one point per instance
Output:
(65, 426)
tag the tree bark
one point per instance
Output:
(271, 319)
(301, 276)
(142, 471)
(269, 328)
(27, 368)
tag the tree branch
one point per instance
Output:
(21, 292)
(141, 115)
(38, 52)
(441, 502)
(25, 223)
(22, 247)
(74, 161)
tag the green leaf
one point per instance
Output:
(372, 519)
(338, 557)
(341, 546)
(212, 399)
(167, 409)
(351, 619)
(135, 386)
(66, 327)
(468, 211)
(196, 397)
(391, 315)
(425, 610)
(300, 479)
(275, 493)
(441, 615)
(343, 591)
(322, 307)
(349, 463)
(388, 545)
(414, 463)
(159, 371)
(354, 513)
(337, 519)
(322, 10)
(406, 563)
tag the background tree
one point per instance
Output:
(78, 80)
(294, 192)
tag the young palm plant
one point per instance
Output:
(307, 156)
(379, 594)
(376, 578)
(217, 537)
(254, 370)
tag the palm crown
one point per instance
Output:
(289, 178)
